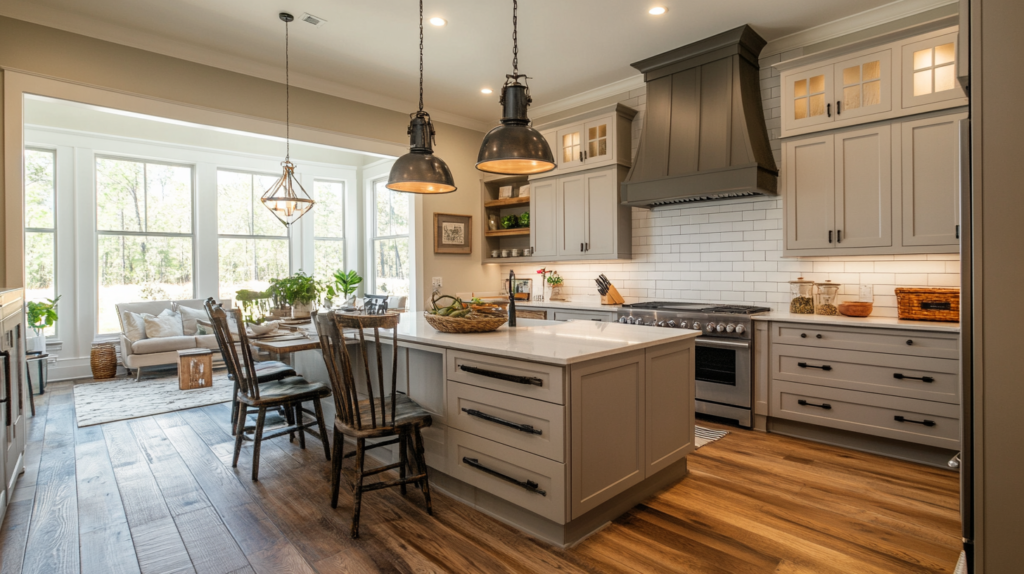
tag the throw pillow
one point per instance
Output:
(166, 324)
(189, 316)
(134, 326)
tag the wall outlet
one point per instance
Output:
(436, 283)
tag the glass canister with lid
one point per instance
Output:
(825, 298)
(801, 293)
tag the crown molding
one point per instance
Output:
(850, 24)
(606, 91)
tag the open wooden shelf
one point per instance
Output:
(508, 232)
(508, 202)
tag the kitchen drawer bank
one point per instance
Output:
(560, 444)
(894, 392)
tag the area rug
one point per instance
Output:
(121, 399)
(703, 436)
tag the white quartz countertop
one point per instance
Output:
(551, 342)
(877, 322)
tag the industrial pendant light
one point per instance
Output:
(514, 147)
(286, 199)
(420, 171)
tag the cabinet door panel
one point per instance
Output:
(599, 137)
(928, 72)
(569, 151)
(863, 86)
(543, 217)
(807, 98)
(864, 188)
(572, 215)
(810, 193)
(930, 161)
(602, 208)
(669, 391)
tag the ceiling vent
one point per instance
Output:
(314, 20)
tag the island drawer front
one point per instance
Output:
(541, 382)
(919, 377)
(921, 343)
(544, 435)
(585, 316)
(868, 413)
(517, 465)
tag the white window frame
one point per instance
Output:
(344, 224)
(370, 228)
(52, 230)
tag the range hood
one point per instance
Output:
(704, 135)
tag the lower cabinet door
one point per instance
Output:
(670, 370)
(607, 429)
(526, 480)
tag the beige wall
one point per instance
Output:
(80, 59)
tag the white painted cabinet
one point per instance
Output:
(543, 226)
(807, 97)
(863, 184)
(579, 216)
(928, 71)
(863, 86)
(571, 219)
(810, 193)
(930, 158)
(602, 210)
(592, 139)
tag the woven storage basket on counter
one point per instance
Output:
(103, 361)
(463, 325)
(924, 304)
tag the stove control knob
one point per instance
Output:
(696, 326)
(710, 326)
(631, 320)
(730, 328)
(740, 329)
(684, 324)
(623, 320)
(672, 324)
(720, 327)
(661, 323)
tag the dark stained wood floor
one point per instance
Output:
(158, 495)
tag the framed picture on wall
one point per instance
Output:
(453, 233)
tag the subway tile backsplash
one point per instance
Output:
(731, 251)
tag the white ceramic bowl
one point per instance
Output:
(263, 329)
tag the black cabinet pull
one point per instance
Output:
(527, 484)
(839, 236)
(958, 232)
(830, 236)
(503, 376)
(925, 422)
(587, 247)
(581, 248)
(501, 421)
(902, 376)
(803, 335)
(7, 386)
(822, 367)
(804, 403)
(910, 341)
(818, 336)
(839, 107)
(828, 108)
(581, 156)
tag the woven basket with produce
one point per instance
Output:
(459, 317)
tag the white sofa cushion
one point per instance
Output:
(189, 318)
(163, 345)
(207, 341)
(166, 324)
(134, 326)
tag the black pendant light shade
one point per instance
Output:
(420, 171)
(514, 147)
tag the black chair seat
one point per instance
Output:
(275, 372)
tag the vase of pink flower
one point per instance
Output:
(544, 285)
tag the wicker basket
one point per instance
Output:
(103, 361)
(478, 324)
(928, 304)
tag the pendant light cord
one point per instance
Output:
(287, 100)
(515, 38)
(421, 56)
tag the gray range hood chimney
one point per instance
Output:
(704, 134)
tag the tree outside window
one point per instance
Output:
(144, 234)
(40, 227)
(253, 245)
(328, 228)
(391, 254)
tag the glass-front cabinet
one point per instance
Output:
(592, 139)
(929, 71)
(807, 97)
(863, 86)
(569, 150)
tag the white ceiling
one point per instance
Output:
(368, 49)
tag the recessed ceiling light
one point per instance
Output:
(657, 10)
(438, 21)
(485, 91)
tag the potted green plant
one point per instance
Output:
(256, 307)
(554, 286)
(41, 316)
(301, 291)
(346, 284)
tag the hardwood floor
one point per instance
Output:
(158, 495)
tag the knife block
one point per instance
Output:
(613, 297)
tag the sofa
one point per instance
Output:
(140, 352)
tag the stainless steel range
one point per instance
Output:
(724, 362)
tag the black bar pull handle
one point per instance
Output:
(501, 421)
(925, 422)
(830, 236)
(581, 156)
(527, 484)
(503, 376)
(839, 236)
(839, 107)
(902, 376)
(581, 248)
(822, 367)
(828, 108)
(804, 403)
(7, 386)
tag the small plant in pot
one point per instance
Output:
(346, 285)
(256, 306)
(41, 316)
(300, 291)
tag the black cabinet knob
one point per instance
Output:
(803, 335)
(910, 341)
(818, 336)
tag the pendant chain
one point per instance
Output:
(421, 56)
(515, 38)
(287, 100)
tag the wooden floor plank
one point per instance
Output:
(210, 545)
(106, 543)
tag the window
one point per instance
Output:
(391, 256)
(328, 228)
(253, 244)
(144, 229)
(40, 227)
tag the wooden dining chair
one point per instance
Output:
(289, 393)
(383, 413)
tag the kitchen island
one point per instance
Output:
(553, 427)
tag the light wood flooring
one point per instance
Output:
(158, 494)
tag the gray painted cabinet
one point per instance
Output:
(587, 220)
(543, 228)
(930, 157)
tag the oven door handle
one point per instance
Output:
(722, 343)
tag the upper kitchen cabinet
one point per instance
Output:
(865, 83)
(589, 220)
(930, 158)
(593, 139)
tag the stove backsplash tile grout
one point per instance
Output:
(731, 251)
